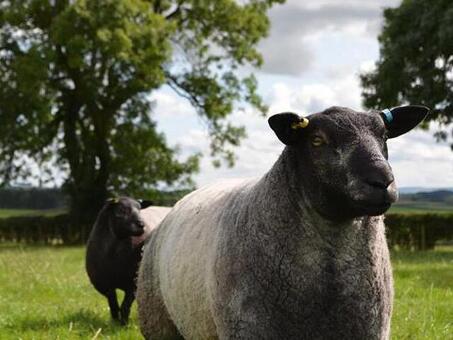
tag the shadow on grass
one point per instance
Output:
(82, 322)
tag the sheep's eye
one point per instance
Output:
(317, 141)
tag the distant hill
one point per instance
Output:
(433, 196)
(436, 201)
(413, 190)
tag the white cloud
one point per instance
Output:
(314, 55)
(417, 160)
(167, 104)
(297, 26)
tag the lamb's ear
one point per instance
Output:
(145, 203)
(402, 119)
(287, 126)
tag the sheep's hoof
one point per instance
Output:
(119, 322)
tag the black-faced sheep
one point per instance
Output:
(114, 249)
(298, 254)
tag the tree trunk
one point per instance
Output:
(88, 156)
(86, 203)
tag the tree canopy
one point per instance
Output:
(416, 60)
(75, 79)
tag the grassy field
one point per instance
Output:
(45, 294)
(400, 207)
(423, 306)
(29, 212)
(421, 207)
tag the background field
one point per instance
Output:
(4, 213)
(45, 294)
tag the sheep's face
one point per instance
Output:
(341, 157)
(125, 217)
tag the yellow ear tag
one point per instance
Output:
(113, 200)
(303, 123)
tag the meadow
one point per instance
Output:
(5, 213)
(45, 294)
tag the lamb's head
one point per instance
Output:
(340, 157)
(124, 217)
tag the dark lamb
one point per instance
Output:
(113, 253)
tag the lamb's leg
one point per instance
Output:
(113, 304)
(126, 306)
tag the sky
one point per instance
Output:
(313, 57)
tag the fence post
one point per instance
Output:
(423, 237)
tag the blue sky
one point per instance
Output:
(313, 56)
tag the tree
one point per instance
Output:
(416, 60)
(75, 78)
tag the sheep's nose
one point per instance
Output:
(380, 179)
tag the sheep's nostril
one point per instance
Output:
(380, 181)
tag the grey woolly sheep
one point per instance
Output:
(114, 249)
(298, 254)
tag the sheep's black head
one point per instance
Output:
(124, 217)
(341, 156)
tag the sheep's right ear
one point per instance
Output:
(287, 126)
(145, 203)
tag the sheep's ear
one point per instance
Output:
(145, 203)
(402, 119)
(287, 126)
(110, 202)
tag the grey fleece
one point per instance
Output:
(254, 260)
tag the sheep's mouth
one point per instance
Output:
(372, 208)
(372, 201)
(138, 231)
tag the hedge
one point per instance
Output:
(42, 230)
(406, 231)
(418, 231)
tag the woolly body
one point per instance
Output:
(298, 254)
(250, 260)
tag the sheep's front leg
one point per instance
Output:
(126, 306)
(113, 304)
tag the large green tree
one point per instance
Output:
(416, 60)
(75, 79)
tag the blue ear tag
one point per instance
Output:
(388, 115)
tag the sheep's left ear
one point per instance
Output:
(288, 126)
(402, 119)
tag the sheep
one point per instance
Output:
(300, 253)
(114, 249)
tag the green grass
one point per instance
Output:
(45, 294)
(423, 306)
(29, 212)
(421, 207)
